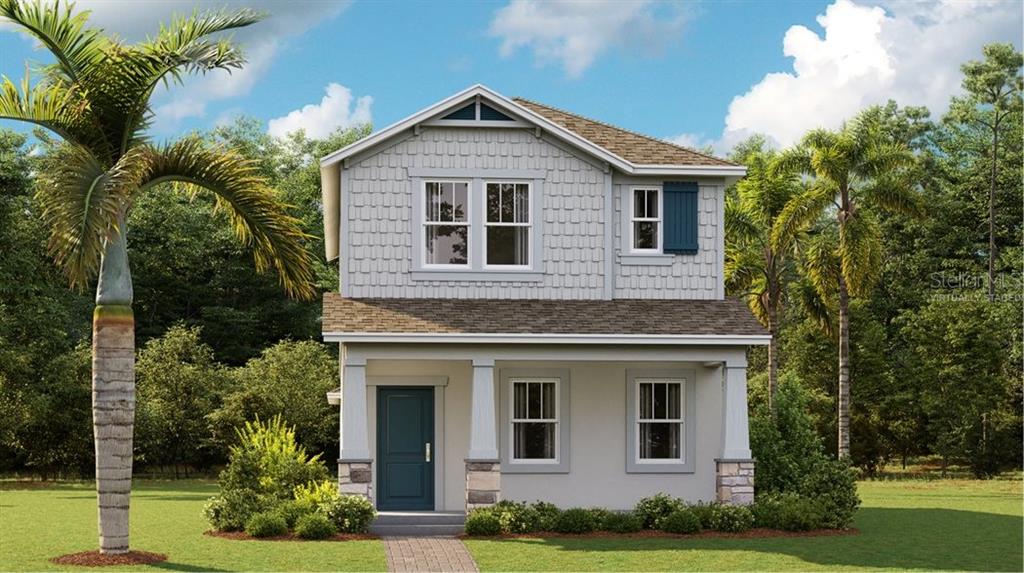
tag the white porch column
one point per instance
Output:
(734, 471)
(736, 437)
(483, 469)
(354, 441)
(483, 439)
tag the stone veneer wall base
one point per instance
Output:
(483, 483)
(734, 482)
(356, 478)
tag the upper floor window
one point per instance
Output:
(509, 233)
(645, 220)
(446, 223)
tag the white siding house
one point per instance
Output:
(532, 308)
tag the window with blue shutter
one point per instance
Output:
(680, 217)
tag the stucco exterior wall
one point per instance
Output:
(597, 449)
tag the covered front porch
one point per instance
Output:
(429, 426)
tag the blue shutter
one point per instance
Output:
(680, 219)
(468, 112)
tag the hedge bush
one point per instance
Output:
(833, 484)
(575, 520)
(547, 515)
(729, 518)
(291, 510)
(787, 511)
(316, 494)
(266, 524)
(315, 526)
(482, 522)
(651, 510)
(268, 461)
(350, 513)
(231, 509)
(515, 517)
(683, 520)
(622, 522)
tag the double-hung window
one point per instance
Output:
(659, 419)
(645, 220)
(534, 420)
(446, 223)
(509, 234)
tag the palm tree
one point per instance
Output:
(852, 172)
(95, 97)
(753, 266)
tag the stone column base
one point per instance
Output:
(734, 482)
(356, 478)
(483, 483)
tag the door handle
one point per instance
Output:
(428, 452)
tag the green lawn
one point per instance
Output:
(965, 525)
(36, 524)
(905, 525)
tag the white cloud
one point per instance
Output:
(911, 53)
(690, 140)
(575, 32)
(335, 110)
(133, 21)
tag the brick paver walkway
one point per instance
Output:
(427, 554)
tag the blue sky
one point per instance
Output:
(699, 72)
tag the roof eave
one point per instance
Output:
(539, 338)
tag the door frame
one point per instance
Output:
(437, 450)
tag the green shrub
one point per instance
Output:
(705, 513)
(787, 511)
(482, 522)
(316, 494)
(268, 461)
(599, 515)
(292, 510)
(515, 517)
(230, 510)
(350, 513)
(314, 526)
(651, 510)
(622, 522)
(729, 518)
(683, 520)
(575, 520)
(833, 484)
(786, 445)
(547, 515)
(266, 524)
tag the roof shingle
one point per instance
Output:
(729, 317)
(629, 145)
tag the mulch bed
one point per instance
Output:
(759, 533)
(97, 559)
(243, 536)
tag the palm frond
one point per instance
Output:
(740, 228)
(821, 263)
(860, 252)
(259, 219)
(59, 108)
(64, 34)
(802, 210)
(885, 160)
(893, 195)
(793, 160)
(816, 307)
(80, 202)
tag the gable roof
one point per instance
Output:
(619, 321)
(649, 154)
(632, 146)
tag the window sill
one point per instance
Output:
(475, 276)
(656, 468)
(559, 468)
(656, 259)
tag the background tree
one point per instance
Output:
(855, 170)
(754, 267)
(994, 95)
(96, 98)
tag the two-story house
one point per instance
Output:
(532, 308)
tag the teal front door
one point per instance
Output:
(405, 440)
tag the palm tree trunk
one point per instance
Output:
(992, 217)
(773, 356)
(844, 369)
(113, 393)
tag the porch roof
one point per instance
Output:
(692, 320)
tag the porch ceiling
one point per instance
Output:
(626, 317)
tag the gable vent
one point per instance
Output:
(468, 112)
(488, 113)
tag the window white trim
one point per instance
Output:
(688, 411)
(424, 223)
(633, 218)
(681, 382)
(528, 225)
(560, 376)
(512, 420)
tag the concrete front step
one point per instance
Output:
(416, 530)
(418, 523)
